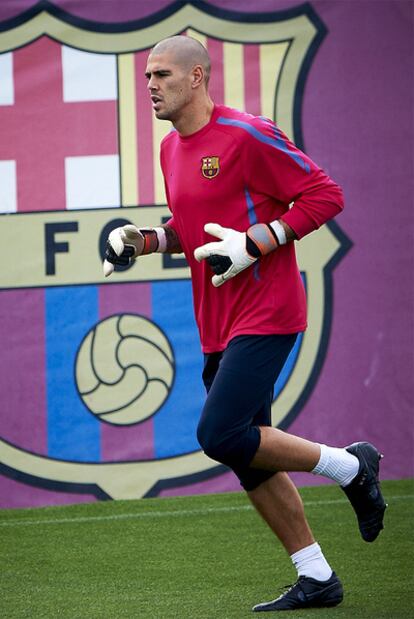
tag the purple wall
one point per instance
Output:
(358, 124)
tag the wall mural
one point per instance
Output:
(104, 375)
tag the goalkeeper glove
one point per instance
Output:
(236, 250)
(127, 243)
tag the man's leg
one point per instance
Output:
(280, 505)
(240, 387)
(279, 451)
(232, 430)
(355, 469)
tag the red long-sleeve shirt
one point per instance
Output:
(236, 171)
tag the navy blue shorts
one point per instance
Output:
(239, 383)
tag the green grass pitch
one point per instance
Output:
(201, 557)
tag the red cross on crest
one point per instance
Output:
(54, 129)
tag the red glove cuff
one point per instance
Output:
(150, 241)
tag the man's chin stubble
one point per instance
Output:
(162, 116)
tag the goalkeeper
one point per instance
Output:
(240, 193)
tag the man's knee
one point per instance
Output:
(210, 442)
(233, 447)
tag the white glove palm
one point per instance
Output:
(232, 245)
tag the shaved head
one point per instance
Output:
(186, 52)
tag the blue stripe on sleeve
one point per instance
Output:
(252, 220)
(277, 141)
(250, 207)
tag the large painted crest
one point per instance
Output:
(102, 388)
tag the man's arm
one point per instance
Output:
(289, 233)
(172, 241)
(277, 168)
(129, 242)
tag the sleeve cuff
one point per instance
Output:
(300, 222)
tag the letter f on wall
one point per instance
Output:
(52, 247)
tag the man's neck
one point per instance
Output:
(194, 118)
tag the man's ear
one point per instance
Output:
(197, 76)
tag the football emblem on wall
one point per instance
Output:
(126, 352)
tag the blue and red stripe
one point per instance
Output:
(276, 141)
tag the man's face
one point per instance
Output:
(169, 86)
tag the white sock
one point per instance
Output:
(310, 562)
(337, 464)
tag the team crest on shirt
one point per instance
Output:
(210, 167)
(102, 386)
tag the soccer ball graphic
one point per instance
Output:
(124, 369)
